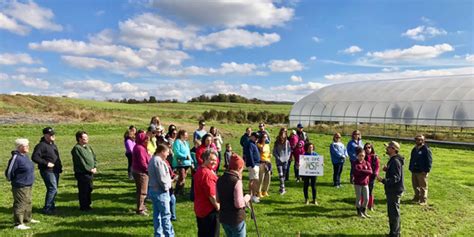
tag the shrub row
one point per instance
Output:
(245, 117)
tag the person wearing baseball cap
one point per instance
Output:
(46, 155)
(393, 183)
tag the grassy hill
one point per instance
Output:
(451, 193)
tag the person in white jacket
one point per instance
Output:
(159, 185)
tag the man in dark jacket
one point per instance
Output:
(420, 166)
(46, 155)
(394, 187)
(252, 162)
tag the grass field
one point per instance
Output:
(451, 195)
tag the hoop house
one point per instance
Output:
(446, 101)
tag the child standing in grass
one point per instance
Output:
(360, 177)
(309, 148)
(297, 151)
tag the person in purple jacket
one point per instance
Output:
(140, 161)
(360, 179)
(129, 143)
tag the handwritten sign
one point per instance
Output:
(311, 165)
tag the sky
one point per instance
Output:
(271, 50)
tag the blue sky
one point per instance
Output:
(273, 50)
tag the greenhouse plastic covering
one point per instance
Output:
(434, 101)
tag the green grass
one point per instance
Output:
(451, 196)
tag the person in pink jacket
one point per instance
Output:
(297, 151)
(360, 178)
(374, 162)
(293, 139)
(140, 160)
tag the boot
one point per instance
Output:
(364, 212)
(359, 212)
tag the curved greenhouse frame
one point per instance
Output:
(446, 101)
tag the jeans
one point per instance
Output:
(208, 226)
(173, 205)
(235, 231)
(287, 173)
(282, 170)
(337, 173)
(393, 209)
(51, 180)
(161, 213)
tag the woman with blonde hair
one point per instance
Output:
(265, 168)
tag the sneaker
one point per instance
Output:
(260, 195)
(282, 192)
(34, 221)
(22, 227)
(255, 199)
(265, 194)
(423, 203)
(297, 180)
(315, 203)
(143, 213)
(338, 186)
(306, 202)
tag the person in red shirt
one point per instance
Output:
(360, 178)
(206, 206)
(374, 163)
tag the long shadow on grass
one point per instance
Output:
(328, 235)
(312, 211)
(73, 211)
(124, 198)
(99, 224)
(82, 233)
(293, 183)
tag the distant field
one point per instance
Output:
(451, 194)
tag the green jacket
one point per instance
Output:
(83, 158)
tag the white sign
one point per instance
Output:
(311, 165)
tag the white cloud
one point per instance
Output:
(426, 20)
(89, 63)
(420, 33)
(340, 27)
(19, 58)
(104, 37)
(100, 13)
(317, 39)
(470, 58)
(344, 77)
(230, 38)
(27, 70)
(89, 85)
(352, 50)
(226, 68)
(32, 15)
(152, 31)
(390, 69)
(310, 86)
(261, 13)
(285, 65)
(4, 76)
(295, 78)
(313, 58)
(11, 25)
(414, 53)
(125, 87)
(31, 82)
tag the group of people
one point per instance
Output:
(20, 172)
(159, 163)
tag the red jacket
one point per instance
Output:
(361, 172)
(140, 157)
(298, 150)
(374, 162)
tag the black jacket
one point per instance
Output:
(45, 152)
(421, 159)
(393, 180)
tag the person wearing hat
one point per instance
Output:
(46, 155)
(200, 131)
(420, 166)
(21, 173)
(252, 162)
(393, 184)
(85, 166)
(231, 198)
(301, 134)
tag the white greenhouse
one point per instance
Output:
(446, 101)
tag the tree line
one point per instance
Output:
(241, 116)
(224, 98)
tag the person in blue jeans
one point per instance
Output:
(159, 185)
(46, 155)
(338, 155)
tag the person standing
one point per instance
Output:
(301, 134)
(361, 174)
(206, 206)
(21, 173)
(265, 168)
(309, 151)
(374, 162)
(338, 156)
(159, 186)
(293, 139)
(217, 140)
(245, 138)
(200, 131)
(231, 197)
(46, 155)
(252, 162)
(85, 166)
(151, 145)
(393, 184)
(261, 131)
(355, 142)
(420, 165)
(129, 143)
(140, 161)
(181, 160)
(282, 154)
(206, 144)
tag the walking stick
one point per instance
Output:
(252, 215)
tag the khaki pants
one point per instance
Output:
(264, 177)
(21, 205)
(420, 186)
(141, 182)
